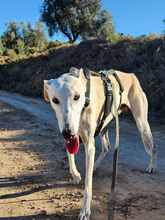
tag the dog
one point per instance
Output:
(67, 97)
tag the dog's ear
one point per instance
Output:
(74, 72)
(46, 89)
(79, 74)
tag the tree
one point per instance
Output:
(102, 27)
(164, 29)
(11, 35)
(164, 25)
(34, 37)
(75, 18)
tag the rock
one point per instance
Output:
(59, 213)
(43, 212)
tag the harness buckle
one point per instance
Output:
(107, 81)
(87, 101)
(109, 88)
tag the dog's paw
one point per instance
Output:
(84, 214)
(76, 179)
(150, 170)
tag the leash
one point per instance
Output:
(115, 159)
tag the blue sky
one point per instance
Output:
(134, 17)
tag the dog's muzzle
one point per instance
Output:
(67, 134)
(71, 140)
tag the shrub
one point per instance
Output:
(114, 38)
(11, 53)
(55, 44)
(153, 35)
(2, 49)
(32, 50)
(21, 46)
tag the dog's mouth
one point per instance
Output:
(72, 144)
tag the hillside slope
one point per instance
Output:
(144, 57)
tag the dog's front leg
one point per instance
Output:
(73, 170)
(90, 153)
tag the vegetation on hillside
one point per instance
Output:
(143, 56)
(22, 39)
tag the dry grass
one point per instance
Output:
(144, 57)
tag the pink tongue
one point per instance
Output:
(72, 145)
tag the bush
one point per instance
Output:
(55, 44)
(2, 49)
(32, 50)
(114, 38)
(21, 46)
(153, 36)
(11, 53)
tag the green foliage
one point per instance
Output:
(21, 46)
(143, 36)
(102, 28)
(106, 28)
(56, 43)
(23, 39)
(164, 25)
(34, 37)
(77, 18)
(31, 50)
(11, 35)
(2, 49)
(11, 53)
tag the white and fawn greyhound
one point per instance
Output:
(67, 97)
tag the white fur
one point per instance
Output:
(69, 112)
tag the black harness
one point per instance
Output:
(108, 91)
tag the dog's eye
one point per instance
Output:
(55, 100)
(76, 97)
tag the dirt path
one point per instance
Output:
(34, 175)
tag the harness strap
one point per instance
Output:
(87, 94)
(108, 101)
(113, 73)
(109, 92)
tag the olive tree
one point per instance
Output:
(76, 18)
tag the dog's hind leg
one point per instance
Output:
(139, 108)
(105, 146)
(73, 170)
(149, 144)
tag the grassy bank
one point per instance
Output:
(144, 57)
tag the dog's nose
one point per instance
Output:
(66, 133)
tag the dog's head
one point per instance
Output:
(67, 97)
